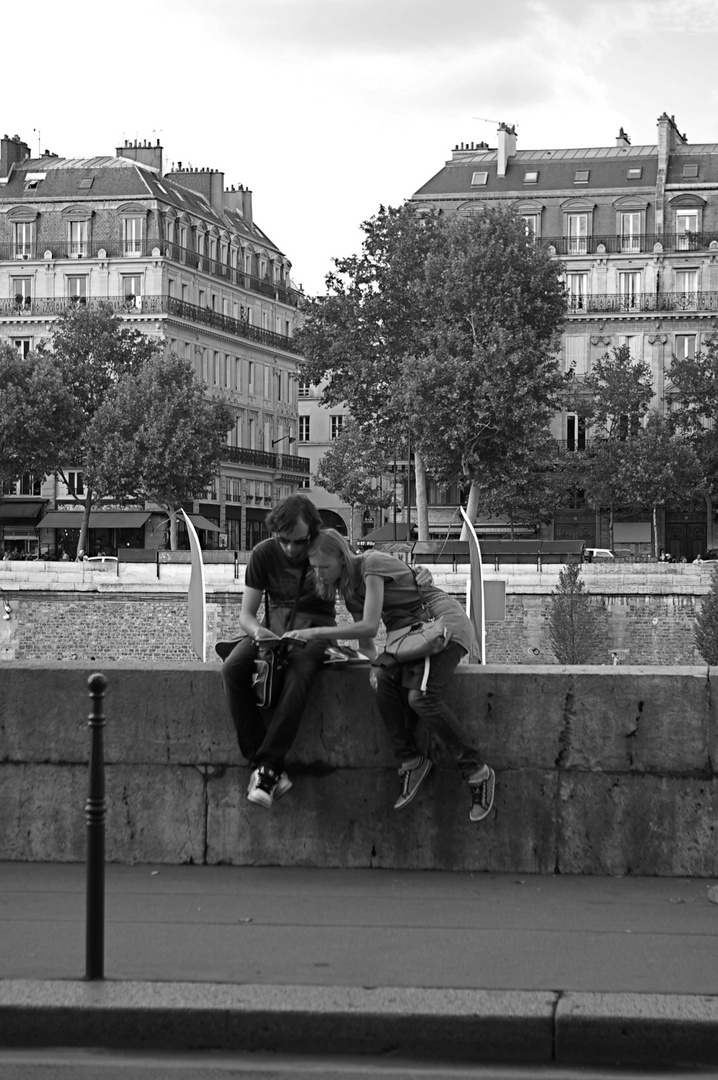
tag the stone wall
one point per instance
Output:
(599, 771)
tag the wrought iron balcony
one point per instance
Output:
(636, 303)
(240, 455)
(22, 307)
(628, 245)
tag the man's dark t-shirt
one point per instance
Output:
(269, 570)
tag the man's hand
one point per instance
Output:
(424, 577)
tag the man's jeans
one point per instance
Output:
(265, 735)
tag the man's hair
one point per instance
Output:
(287, 513)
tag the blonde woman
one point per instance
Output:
(377, 586)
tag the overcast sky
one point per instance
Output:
(327, 109)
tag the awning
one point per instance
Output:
(99, 519)
(20, 513)
(200, 522)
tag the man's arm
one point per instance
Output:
(248, 616)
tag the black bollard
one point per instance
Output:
(95, 813)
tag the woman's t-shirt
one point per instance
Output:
(404, 603)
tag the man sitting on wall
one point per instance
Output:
(276, 569)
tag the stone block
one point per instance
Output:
(637, 824)
(363, 830)
(42, 812)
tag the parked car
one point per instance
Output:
(597, 554)
(102, 559)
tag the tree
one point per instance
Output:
(444, 329)
(35, 406)
(156, 437)
(706, 625)
(693, 390)
(352, 468)
(573, 623)
(89, 350)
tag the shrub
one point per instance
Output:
(706, 628)
(573, 624)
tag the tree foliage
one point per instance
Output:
(156, 437)
(693, 390)
(574, 630)
(706, 625)
(35, 414)
(353, 468)
(444, 327)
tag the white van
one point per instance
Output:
(597, 554)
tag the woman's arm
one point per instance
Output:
(365, 628)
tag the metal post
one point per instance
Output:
(95, 813)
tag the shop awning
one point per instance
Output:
(200, 522)
(99, 519)
(17, 512)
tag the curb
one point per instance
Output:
(480, 1026)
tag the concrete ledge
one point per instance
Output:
(595, 768)
(537, 1027)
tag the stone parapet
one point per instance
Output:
(599, 771)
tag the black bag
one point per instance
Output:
(272, 661)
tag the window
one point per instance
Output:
(577, 234)
(86, 183)
(250, 377)
(634, 344)
(23, 346)
(690, 172)
(267, 382)
(685, 346)
(581, 176)
(479, 179)
(629, 288)
(132, 290)
(305, 484)
(686, 290)
(686, 229)
(228, 365)
(21, 291)
(77, 288)
(75, 483)
(531, 177)
(304, 429)
(78, 239)
(337, 425)
(132, 235)
(630, 225)
(303, 390)
(531, 224)
(577, 285)
(576, 349)
(575, 432)
(634, 173)
(23, 237)
(215, 369)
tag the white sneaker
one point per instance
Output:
(262, 785)
(283, 786)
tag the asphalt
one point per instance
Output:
(457, 967)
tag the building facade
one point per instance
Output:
(636, 229)
(178, 256)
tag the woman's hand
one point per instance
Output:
(263, 633)
(303, 635)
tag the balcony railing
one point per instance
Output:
(117, 248)
(24, 307)
(629, 245)
(642, 302)
(241, 455)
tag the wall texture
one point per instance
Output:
(599, 770)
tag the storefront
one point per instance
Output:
(108, 531)
(18, 527)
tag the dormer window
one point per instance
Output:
(581, 176)
(479, 179)
(634, 173)
(690, 172)
(531, 177)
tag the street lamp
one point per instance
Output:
(282, 438)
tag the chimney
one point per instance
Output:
(208, 182)
(507, 147)
(143, 152)
(247, 206)
(12, 152)
(622, 139)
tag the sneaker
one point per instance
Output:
(262, 786)
(283, 786)
(481, 786)
(411, 780)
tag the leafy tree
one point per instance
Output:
(693, 391)
(351, 468)
(658, 468)
(444, 328)
(89, 350)
(35, 406)
(156, 437)
(706, 625)
(573, 624)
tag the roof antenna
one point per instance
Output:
(485, 121)
(38, 141)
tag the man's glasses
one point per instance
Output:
(299, 541)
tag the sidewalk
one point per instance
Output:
(477, 967)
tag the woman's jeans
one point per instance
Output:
(400, 709)
(265, 735)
